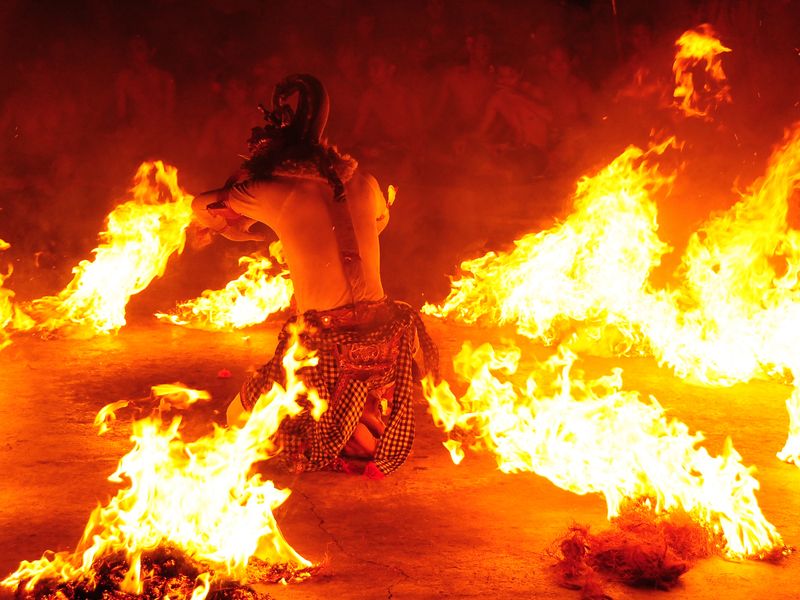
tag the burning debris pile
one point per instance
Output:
(169, 573)
(191, 515)
(640, 550)
(585, 284)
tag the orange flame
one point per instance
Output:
(591, 268)
(590, 436)
(141, 235)
(731, 318)
(12, 316)
(695, 47)
(245, 301)
(198, 496)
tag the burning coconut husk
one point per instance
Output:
(167, 573)
(640, 549)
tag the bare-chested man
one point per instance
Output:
(466, 88)
(328, 216)
(389, 122)
(525, 118)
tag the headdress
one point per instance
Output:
(290, 142)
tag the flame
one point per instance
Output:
(589, 269)
(12, 317)
(177, 396)
(791, 450)
(731, 315)
(141, 235)
(105, 418)
(695, 47)
(198, 496)
(590, 436)
(247, 300)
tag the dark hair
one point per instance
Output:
(293, 137)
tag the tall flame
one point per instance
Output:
(698, 47)
(198, 496)
(591, 268)
(247, 300)
(141, 235)
(590, 436)
(731, 316)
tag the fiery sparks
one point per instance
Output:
(700, 48)
(197, 496)
(590, 436)
(259, 292)
(141, 235)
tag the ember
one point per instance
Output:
(169, 573)
(641, 550)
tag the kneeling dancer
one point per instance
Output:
(328, 216)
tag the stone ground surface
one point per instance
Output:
(432, 530)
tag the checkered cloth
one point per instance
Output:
(316, 445)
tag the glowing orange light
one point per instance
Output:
(700, 47)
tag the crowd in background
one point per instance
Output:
(439, 92)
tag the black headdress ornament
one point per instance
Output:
(290, 141)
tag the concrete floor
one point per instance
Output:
(432, 530)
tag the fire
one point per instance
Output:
(730, 316)
(141, 235)
(247, 300)
(695, 47)
(590, 436)
(11, 316)
(198, 496)
(590, 269)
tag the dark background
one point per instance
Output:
(79, 112)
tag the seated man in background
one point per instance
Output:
(328, 217)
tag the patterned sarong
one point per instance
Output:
(362, 349)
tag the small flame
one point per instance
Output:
(12, 317)
(695, 47)
(177, 396)
(200, 496)
(107, 415)
(591, 436)
(791, 450)
(247, 300)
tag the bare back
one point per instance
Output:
(296, 209)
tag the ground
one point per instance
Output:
(431, 530)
